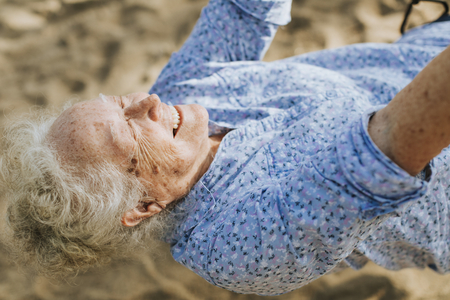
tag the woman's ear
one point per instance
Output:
(142, 211)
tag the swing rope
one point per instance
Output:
(409, 9)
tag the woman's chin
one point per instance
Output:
(193, 122)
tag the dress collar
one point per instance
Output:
(215, 128)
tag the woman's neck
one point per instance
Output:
(214, 142)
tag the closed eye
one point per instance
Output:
(120, 101)
(133, 132)
(132, 129)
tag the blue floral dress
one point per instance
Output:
(298, 188)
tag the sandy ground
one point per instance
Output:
(52, 51)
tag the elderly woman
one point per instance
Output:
(263, 176)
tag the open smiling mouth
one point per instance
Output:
(175, 118)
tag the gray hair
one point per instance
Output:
(59, 223)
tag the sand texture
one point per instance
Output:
(53, 51)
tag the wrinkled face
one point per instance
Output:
(165, 147)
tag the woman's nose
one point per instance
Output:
(148, 107)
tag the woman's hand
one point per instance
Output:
(415, 126)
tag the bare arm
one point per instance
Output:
(415, 126)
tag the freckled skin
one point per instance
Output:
(415, 126)
(109, 131)
(155, 170)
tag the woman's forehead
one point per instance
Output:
(90, 130)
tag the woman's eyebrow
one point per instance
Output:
(119, 101)
(116, 99)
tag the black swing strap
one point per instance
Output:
(409, 9)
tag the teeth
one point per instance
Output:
(175, 117)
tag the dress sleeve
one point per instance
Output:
(232, 30)
(227, 30)
(280, 236)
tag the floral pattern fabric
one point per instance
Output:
(298, 187)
